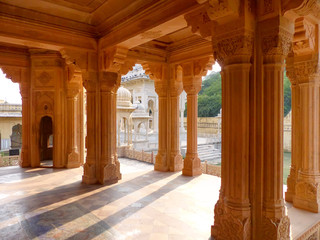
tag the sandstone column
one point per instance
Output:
(192, 80)
(25, 91)
(73, 91)
(232, 219)
(90, 167)
(275, 45)
(161, 163)
(109, 165)
(303, 71)
(175, 91)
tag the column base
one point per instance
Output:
(192, 165)
(307, 196)
(161, 162)
(291, 184)
(23, 162)
(176, 164)
(73, 160)
(89, 175)
(275, 228)
(231, 223)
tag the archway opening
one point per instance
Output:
(46, 142)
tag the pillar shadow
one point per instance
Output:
(71, 211)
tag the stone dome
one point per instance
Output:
(123, 97)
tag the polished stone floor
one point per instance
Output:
(46, 203)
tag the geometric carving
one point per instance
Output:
(44, 77)
(44, 102)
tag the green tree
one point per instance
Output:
(287, 95)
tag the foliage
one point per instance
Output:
(287, 95)
(209, 98)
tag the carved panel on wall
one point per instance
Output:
(44, 78)
(44, 102)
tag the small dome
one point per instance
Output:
(123, 97)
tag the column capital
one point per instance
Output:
(234, 47)
(176, 86)
(109, 81)
(277, 36)
(90, 79)
(159, 73)
(193, 72)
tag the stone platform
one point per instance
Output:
(46, 203)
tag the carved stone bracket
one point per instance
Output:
(90, 80)
(308, 8)
(15, 74)
(304, 38)
(200, 22)
(111, 60)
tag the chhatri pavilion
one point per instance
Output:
(56, 48)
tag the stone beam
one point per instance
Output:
(12, 56)
(31, 35)
(165, 18)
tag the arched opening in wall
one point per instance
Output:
(46, 142)
(151, 114)
(10, 118)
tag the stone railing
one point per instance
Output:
(9, 161)
(128, 152)
(211, 169)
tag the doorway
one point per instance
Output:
(46, 142)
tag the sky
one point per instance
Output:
(10, 92)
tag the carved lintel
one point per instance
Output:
(221, 9)
(111, 60)
(200, 22)
(234, 48)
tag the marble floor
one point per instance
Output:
(46, 203)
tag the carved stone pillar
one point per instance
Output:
(109, 165)
(192, 164)
(161, 163)
(303, 70)
(90, 167)
(233, 210)
(25, 91)
(72, 128)
(275, 44)
(175, 91)
(192, 80)
(295, 132)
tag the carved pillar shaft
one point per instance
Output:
(25, 160)
(275, 46)
(90, 167)
(114, 127)
(108, 162)
(295, 140)
(175, 154)
(192, 164)
(161, 158)
(72, 128)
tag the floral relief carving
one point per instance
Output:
(306, 190)
(222, 8)
(268, 6)
(113, 59)
(277, 43)
(200, 23)
(44, 77)
(276, 228)
(228, 226)
(304, 71)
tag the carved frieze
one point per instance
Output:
(304, 71)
